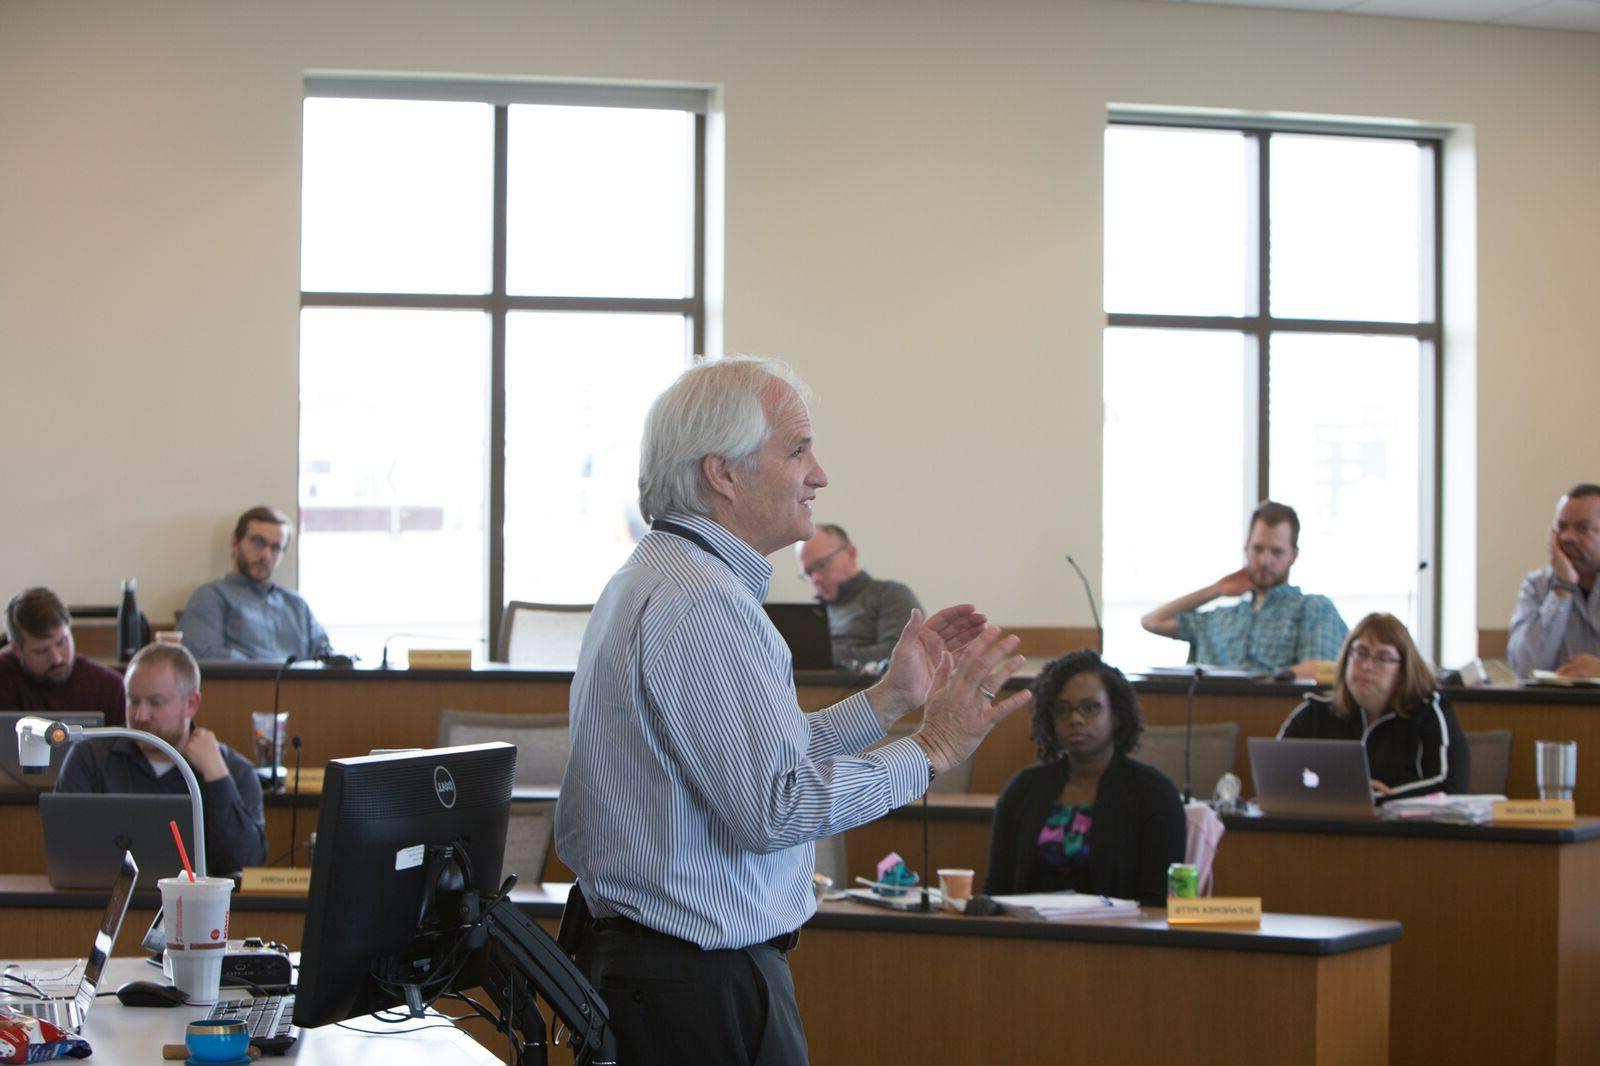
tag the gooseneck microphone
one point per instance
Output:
(927, 871)
(1188, 738)
(294, 804)
(1094, 608)
(272, 756)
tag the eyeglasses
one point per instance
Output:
(1086, 710)
(262, 544)
(1362, 653)
(814, 568)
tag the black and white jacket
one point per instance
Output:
(1414, 754)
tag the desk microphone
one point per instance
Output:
(294, 805)
(927, 871)
(1100, 631)
(1188, 739)
(277, 685)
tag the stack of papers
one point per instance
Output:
(1550, 677)
(1440, 807)
(1067, 906)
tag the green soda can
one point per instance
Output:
(1183, 881)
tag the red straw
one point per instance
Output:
(182, 851)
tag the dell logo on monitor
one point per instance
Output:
(444, 786)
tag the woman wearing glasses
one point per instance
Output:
(1384, 695)
(1087, 818)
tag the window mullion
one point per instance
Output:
(498, 310)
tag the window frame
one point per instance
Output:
(1260, 328)
(498, 303)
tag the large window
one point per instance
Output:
(496, 280)
(1272, 331)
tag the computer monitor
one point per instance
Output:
(407, 845)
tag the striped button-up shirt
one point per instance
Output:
(696, 785)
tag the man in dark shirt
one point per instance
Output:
(865, 615)
(163, 697)
(40, 670)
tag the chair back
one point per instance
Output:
(528, 837)
(542, 634)
(1491, 762)
(833, 860)
(541, 741)
(1216, 751)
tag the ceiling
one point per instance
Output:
(1581, 15)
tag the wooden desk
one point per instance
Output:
(1501, 957)
(1298, 990)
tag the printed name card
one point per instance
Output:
(1534, 812)
(439, 658)
(1215, 910)
(277, 880)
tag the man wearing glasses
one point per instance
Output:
(865, 615)
(1556, 625)
(245, 615)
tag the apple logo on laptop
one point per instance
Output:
(1309, 778)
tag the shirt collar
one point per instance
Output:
(1278, 592)
(849, 590)
(233, 577)
(747, 564)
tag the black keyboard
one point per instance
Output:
(270, 1020)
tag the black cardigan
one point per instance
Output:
(1138, 829)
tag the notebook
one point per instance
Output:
(85, 831)
(804, 627)
(12, 779)
(69, 1012)
(1312, 778)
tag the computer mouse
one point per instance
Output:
(150, 994)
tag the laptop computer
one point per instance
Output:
(69, 1011)
(1312, 778)
(804, 627)
(12, 779)
(85, 832)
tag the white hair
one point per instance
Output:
(714, 408)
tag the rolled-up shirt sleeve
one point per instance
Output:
(775, 776)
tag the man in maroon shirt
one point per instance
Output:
(41, 671)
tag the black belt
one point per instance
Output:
(784, 942)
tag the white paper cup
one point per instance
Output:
(955, 886)
(196, 925)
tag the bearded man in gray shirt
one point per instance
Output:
(865, 615)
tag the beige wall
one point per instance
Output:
(913, 219)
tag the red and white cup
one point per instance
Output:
(195, 920)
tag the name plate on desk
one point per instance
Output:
(439, 659)
(1216, 910)
(276, 880)
(1534, 812)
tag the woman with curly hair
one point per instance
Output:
(1087, 818)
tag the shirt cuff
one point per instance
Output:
(853, 722)
(907, 767)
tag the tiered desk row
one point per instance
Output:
(1495, 957)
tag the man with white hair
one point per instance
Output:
(696, 785)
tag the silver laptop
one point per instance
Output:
(12, 779)
(85, 832)
(69, 1008)
(1312, 778)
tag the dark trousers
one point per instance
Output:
(672, 1003)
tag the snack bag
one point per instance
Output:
(24, 1038)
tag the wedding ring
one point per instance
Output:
(986, 693)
